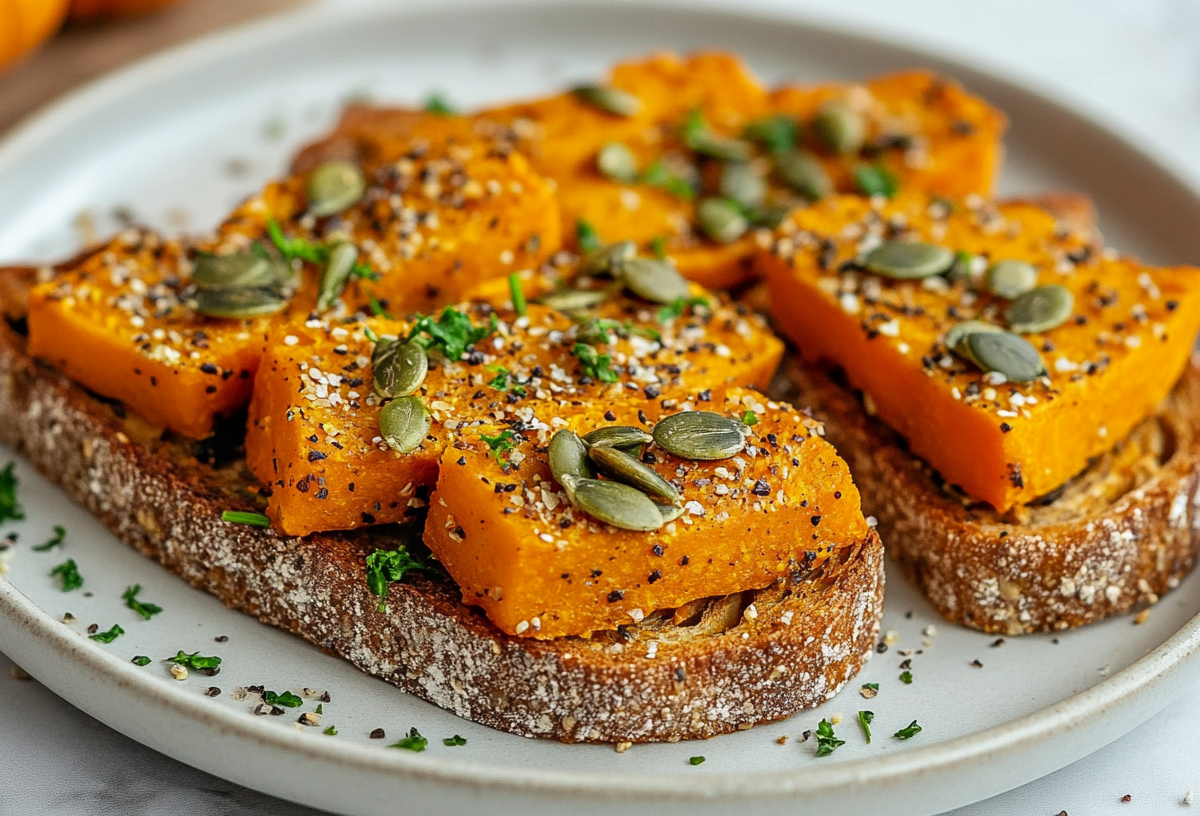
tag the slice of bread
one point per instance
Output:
(708, 668)
(1111, 540)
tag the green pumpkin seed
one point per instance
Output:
(240, 270)
(776, 133)
(958, 333)
(342, 259)
(1007, 353)
(403, 424)
(569, 457)
(1040, 309)
(700, 435)
(908, 260)
(621, 437)
(740, 182)
(840, 128)
(607, 260)
(1010, 279)
(617, 162)
(574, 300)
(334, 186)
(804, 173)
(618, 465)
(399, 369)
(238, 303)
(721, 220)
(725, 148)
(608, 99)
(613, 503)
(653, 280)
(769, 217)
(670, 512)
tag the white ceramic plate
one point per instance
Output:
(180, 138)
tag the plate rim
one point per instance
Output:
(1163, 667)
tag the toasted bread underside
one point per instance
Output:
(714, 666)
(1113, 539)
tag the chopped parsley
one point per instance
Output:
(778, 133)
(658, 246)
(456, 740)
(195, 660)
(68, 572)
(240, 517)
(518, 294)
(320, 708)
(146, 610)
(749, 418)
(141, 660)
(293, 248)
(658, 174)
(287, 699)
(678, 306)
(595, 365)
(827, 743)
(330, 731)
(377, 308)
(500, 445)
(110, 635)
(436, 103)
(586, 235)
(413, 742)
(906, 678)
(389, 566)
(873, 180)
(696, 760)
(60, 533)
(910, 731)
(10, 508)
(503, 381)
(694, 129)
(871, 686)
(451, 333)
(864, 719)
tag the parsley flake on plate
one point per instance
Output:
(60, 533)
(110, 635)
(827, 743)
(10, 508)
(413, 742)
(195, 660)
(864, 719)
(908, 732)
(146, 610)
(68, 573)
(451, 742)
(286, 699)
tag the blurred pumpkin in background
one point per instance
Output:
(86, 11)
(26, 23)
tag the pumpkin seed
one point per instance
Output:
(770, 216)
(804, 173)
(593, 331)
(1040, 309)
(958, 333)
(621, 437)
(726, 148)
(700, 435)
(721, 220)
(239, 270)
(743, 184)
(569, 457)
(342, 259)
(1010, 279)
(622, 467)
(238, 303)
(607, 259)
(608, 99)
(334, 186)
(574, 300)
(399, 369)
(613, 503)
(840, 128)
(617, 161)
(653, 280)
(1005, 352)
(908, 260)
(403, 423)
(670, 512)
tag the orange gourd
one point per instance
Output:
(86, 11)
(27, 23)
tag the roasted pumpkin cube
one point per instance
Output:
(540, 567)
(1127, 338)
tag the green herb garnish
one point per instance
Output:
(68, 571)
(195, 660)
(906, 678)
(864, 719)
(658, 246)
(907, 733)
(500, 445)
(320, 708)
(436, 103)
(413, 742)
(586, 235)
(873, 179)
(827, 743)
(456, 740)
(377, 309)
(110, 635)
(10, 508)
(749, 418)
(503, 381)
(141, 660)
(60, 533)
(778, 133)
(287, 699)
(293, 248)
(871, 686)
(696, 760)
(595, 365)
(678, 306)
(518, 294)
(451, 333)
(239, 517)
(330, 731)
(658, 174)
(146, 610)
(390, 566)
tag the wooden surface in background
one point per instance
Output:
(82, 53)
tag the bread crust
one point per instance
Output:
(729, 671)
(1115, 539)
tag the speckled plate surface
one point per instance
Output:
(179, 139)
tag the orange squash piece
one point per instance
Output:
(506, 533)
(1003, 443)
(313, 431)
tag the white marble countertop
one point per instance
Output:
(1132, 63)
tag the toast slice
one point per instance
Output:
(1112, 540)
(702, 670)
